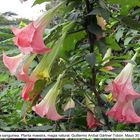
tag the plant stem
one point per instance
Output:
(91, 20)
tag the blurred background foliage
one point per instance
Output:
(121, 33)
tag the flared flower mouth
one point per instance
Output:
(47, 107)
(124, 112)
(124, 95)
(18, 65)
(30, 37)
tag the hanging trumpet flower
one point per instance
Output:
(30, 38)
(47, 106)
(124, 94)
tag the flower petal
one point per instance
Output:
(124, 112)
(12, 63)
(38, 43)
(24, 36)
(47, 107)
(91, 120)
(27, 89)
(50, 112)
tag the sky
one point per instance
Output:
(24, 10)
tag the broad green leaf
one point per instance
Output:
(127, 40)
(110, 41)
(71, 40)
(94, 29)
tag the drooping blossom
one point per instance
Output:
(92, 122)
(47, 107)
(121, 87)
(30, 38)
(124, 112)
(18, 65)
(42, 70)
(70, 104)
(124, 95)
(12, 63)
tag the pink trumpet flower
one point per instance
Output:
(47, 106)
(121, 87)
(12, 63)
(124, 112)
(30, 38)
(124, 94)
(18, 65)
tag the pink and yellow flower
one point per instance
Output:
(121, 87)
(47, 106)
(124, 95)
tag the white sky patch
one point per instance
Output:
(24, 10)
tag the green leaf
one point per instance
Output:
(119, 33)
(102, 47)
(101, 12)
(127, 40)
(39, 2)
(71, 40)
(94, 29)
(110, 41)
(4, 77)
